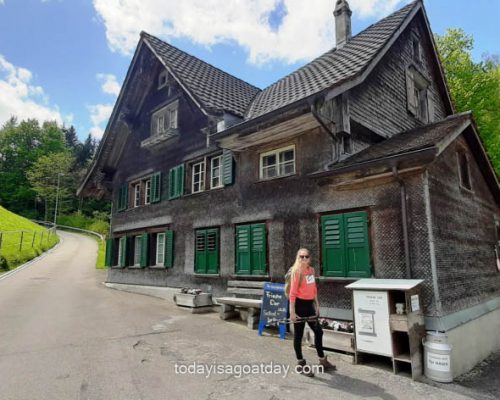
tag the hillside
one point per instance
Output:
(35, 239)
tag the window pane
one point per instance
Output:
(160, 248)
(269, 160)
(287, 156)
(216, 172)
(137, 251)
(269, 172)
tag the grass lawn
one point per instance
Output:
(35, 240)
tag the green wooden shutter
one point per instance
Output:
(227, 167)
(124, 252)
(180, 180)
(357, 245)
(200, 265)
(169, 249)
(109, 253)
(243, 254)
(171, 183)
(123, 198)
(212, 248)
(144, 250)
(258, 249)
(332, 245)
(156, 187)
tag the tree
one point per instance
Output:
(474, 86)
(21, 144)
(44, 176)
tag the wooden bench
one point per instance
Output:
(248, 307)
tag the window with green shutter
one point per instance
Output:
(122, 251)
(176, 182)
(109, 253)
(345, 248)
(251, 249)
(123, 197)
(207, 251)
(227, 167)
(169, 249)
(144, 256)
(156, 188)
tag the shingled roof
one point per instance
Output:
(420, 138)
(331, 68)
(215, 89)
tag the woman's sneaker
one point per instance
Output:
(327, 365)
(304, 369)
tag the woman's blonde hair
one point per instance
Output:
(296, 265)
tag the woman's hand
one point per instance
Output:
(293, 316)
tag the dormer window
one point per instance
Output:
(164, 121)
(162, 79)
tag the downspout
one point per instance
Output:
(432, 250)
(404, 221)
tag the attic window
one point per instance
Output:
(165, 120)
(464, 170)
(162, 79)
(419, 100)
(417, 50)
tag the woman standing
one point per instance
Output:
(304, 303)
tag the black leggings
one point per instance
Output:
(305, 308)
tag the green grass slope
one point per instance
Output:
(35, 240)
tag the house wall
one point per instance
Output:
(380, 102)
(464, 231)
(290, 224)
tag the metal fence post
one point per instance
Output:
(21, 244)
(1, 238)
(33, 241)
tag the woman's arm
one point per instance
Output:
(294, 287)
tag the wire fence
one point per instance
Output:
(17, 241)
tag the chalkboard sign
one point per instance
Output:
(274, 307)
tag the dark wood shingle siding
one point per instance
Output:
(464, 231)
(380, 103)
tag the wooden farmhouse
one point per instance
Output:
(358, 156)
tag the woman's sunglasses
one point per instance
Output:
(304, 257)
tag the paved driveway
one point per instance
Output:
(63, 335)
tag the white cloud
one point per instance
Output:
(306, 30)
(99, 114)
(20, 98)
(109, 84)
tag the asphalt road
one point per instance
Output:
(64, 335)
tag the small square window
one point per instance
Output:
(162, 79)
(276, 163)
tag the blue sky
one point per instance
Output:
(66, 59)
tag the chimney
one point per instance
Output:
(342, 15)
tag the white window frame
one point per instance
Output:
(137, 194)
(137, 250)
(214, 175)
(120, 246)
(198, 177)
(160, 255)
(278, 165)
(165, 120)
(147, 191)
(172, 118)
